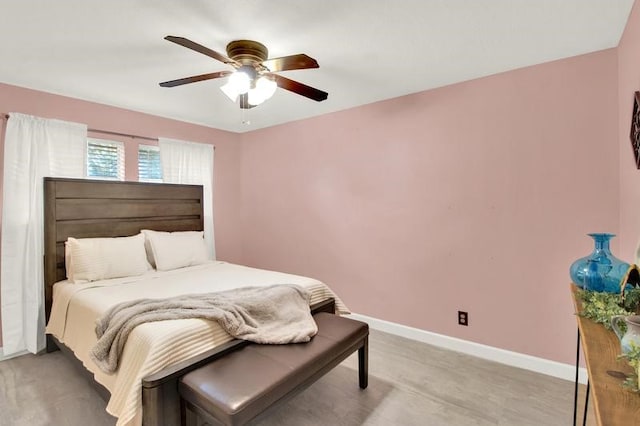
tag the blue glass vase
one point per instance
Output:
(601, 270)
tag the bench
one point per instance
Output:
(234, 389)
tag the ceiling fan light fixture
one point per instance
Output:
(240, 81)
(263, 90)
(238, 84)
(230, 91)
(254, 98)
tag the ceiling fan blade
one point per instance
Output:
(293, 62)
(201, 77)
(299, 88)
(201, 49)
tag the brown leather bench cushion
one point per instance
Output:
(239, 386)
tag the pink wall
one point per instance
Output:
(473, 197)
(97, 116)
(628, 83)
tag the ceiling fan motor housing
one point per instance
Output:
(247, 52)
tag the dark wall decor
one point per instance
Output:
(635, 129)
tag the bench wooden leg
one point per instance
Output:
(187, 416)
(363, 363)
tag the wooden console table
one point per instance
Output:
(613, 405)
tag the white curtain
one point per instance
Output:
(191, 163)
(33, 148)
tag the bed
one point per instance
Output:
(143, 390)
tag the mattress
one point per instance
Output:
(154, 346)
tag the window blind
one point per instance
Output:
(105, 159)
(149, 166)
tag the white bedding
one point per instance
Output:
(153, 346)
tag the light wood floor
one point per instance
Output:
(410, 383)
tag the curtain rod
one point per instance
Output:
(107, 132)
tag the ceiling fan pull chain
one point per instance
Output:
(244, 115)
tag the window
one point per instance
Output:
(105, 159)
(149, 166)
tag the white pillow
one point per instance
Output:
(173, 250)
(147, 247)
(92, 259)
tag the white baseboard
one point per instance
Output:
(514, 359)
(4, 358)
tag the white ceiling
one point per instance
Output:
(113, 51)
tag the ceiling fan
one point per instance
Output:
(254, 79)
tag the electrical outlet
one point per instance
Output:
(463, 318)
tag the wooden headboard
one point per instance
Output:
(84, 208)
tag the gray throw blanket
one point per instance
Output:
(276, 314)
